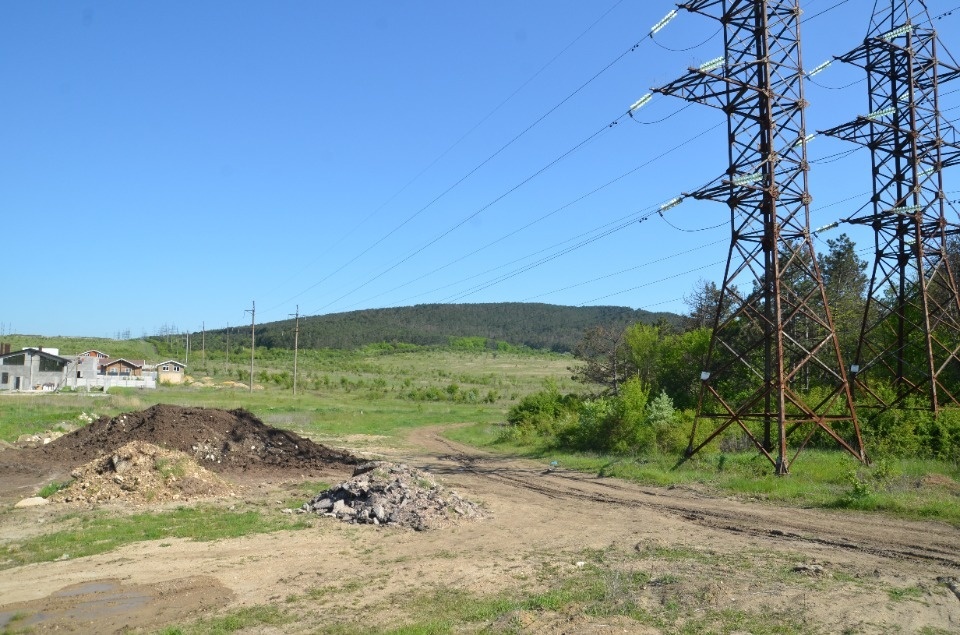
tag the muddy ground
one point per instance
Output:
(679, 556)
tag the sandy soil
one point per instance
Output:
(701, 557)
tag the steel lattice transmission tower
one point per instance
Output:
(773, 336)
(910, 333)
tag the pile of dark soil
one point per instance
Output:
(218, 440)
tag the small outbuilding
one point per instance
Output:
(171, 372)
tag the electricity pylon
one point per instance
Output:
(773, 337)
(910, 333)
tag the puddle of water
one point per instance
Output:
(86, 587)
(88, 603)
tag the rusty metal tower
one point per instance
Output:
(773, 367)
(907, 353)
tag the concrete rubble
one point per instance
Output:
(383, 493)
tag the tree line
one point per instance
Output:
(644, 379)
(533, 325)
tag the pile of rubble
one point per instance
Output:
(140, 472)
(382, 493)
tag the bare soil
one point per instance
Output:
(702, 558)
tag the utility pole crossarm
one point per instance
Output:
(703, 85)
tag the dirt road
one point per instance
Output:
(673, 557)
(923, 543)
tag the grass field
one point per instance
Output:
(371, 398)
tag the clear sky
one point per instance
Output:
(166, 164)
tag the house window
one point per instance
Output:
(49, 365)
(16, 360)
(5, 378)
(166, 368)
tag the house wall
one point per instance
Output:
(170, 376)
(29, 375)
(119, 368)
(110, 381)
(87, 366)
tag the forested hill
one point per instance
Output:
(541, 326)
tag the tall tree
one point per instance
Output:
(845, 279)
(702, 302)
(605, 358)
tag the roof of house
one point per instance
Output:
(93, 350)
(35, 351)
(137, 363)
(171, 361)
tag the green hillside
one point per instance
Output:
(534, 325)
(67, 346)
(538, 326)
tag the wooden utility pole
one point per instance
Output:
(226, 357)
(203, 345)
(253, 338)
(296, 342)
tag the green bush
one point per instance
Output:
(628, 423)
(542, 413)
(612, 424)
(914, 432)
(940, 437)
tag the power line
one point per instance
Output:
(471, 216)
(549, 214)
(670, 116)
(471, 172)
(610, 228)
(627, 270)
(653, 282)
(853, 83)
(691, 231)
(447, 151)
(827, 10)
(688, 48)
(946, 13)
(496, 200)
(544, 260)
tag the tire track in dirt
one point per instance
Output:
(891, 538)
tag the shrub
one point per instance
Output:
(940, 437)
(612, 424)
(914, 432)
(544, 411)
(668, 425)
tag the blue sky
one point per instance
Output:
(167, 164)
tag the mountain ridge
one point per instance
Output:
(534, 325)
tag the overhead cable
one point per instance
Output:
(544, 217)
(471, 172)
(481, 164)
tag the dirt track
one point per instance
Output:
(702, 556)
(924, 543)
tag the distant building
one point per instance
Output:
(97, 370)
(120, 366)
(33, 369)
(93, 353)
(171, 372)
